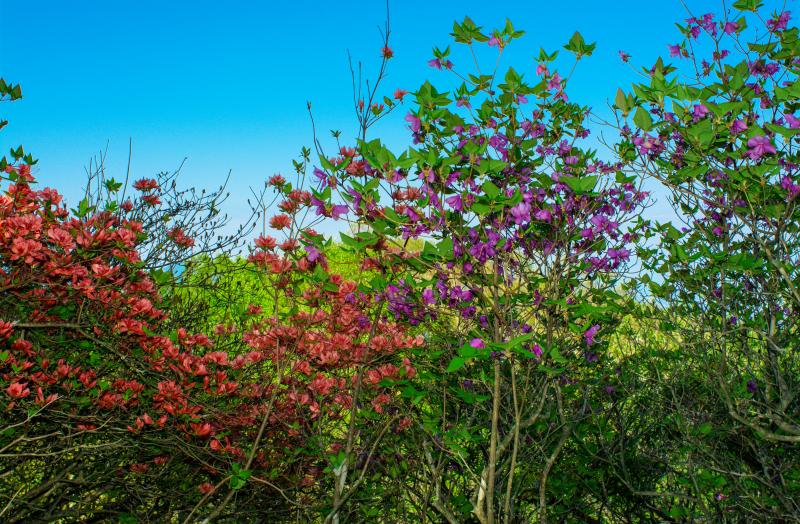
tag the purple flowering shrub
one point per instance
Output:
(526, 233)
(718, 128)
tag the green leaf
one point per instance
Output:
(490, 189)
(456, 364)
(642, 119)
(517, 341)
(112, 185)
(580, 185)
(239, 476)
(621, 101)
(557, 356)
(702, 133)
(579, 46)
(748, 5)
(445, 248)
(620, 178)
(481, 208)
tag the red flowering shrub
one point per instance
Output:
(91, 387)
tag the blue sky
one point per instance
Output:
(225, 84)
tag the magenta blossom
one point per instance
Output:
(699, 111)
(793, 121)
(738, 126)
(313, 254)
(730, 27)
(759, 146)
(590, 333)
(414, 122)
(338, 210)
(554, 82)
(674, 50)
(455, 202)
(477, 343)
(779, 23)
(521, 213)
(788, 184)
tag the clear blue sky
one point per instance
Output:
(225, 83)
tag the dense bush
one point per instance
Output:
(501, 335)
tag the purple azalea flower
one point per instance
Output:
(674, 50)
(414, 122)
(759, 145)
(730, 27)
(699, 111)
(477, 343)
(648, 144)
(455, 202)
(537, 349)
(318, 204)
(338, 210)
(793, 121)
(428, 297)
(590, 333)
(554, 82)
(521, 213)
(788, 185)
(738, 126)
(413, 215)
(618, 255)
(708, 23)
(780, 23)
(543, 215)
(313, 254)
(321, 175)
